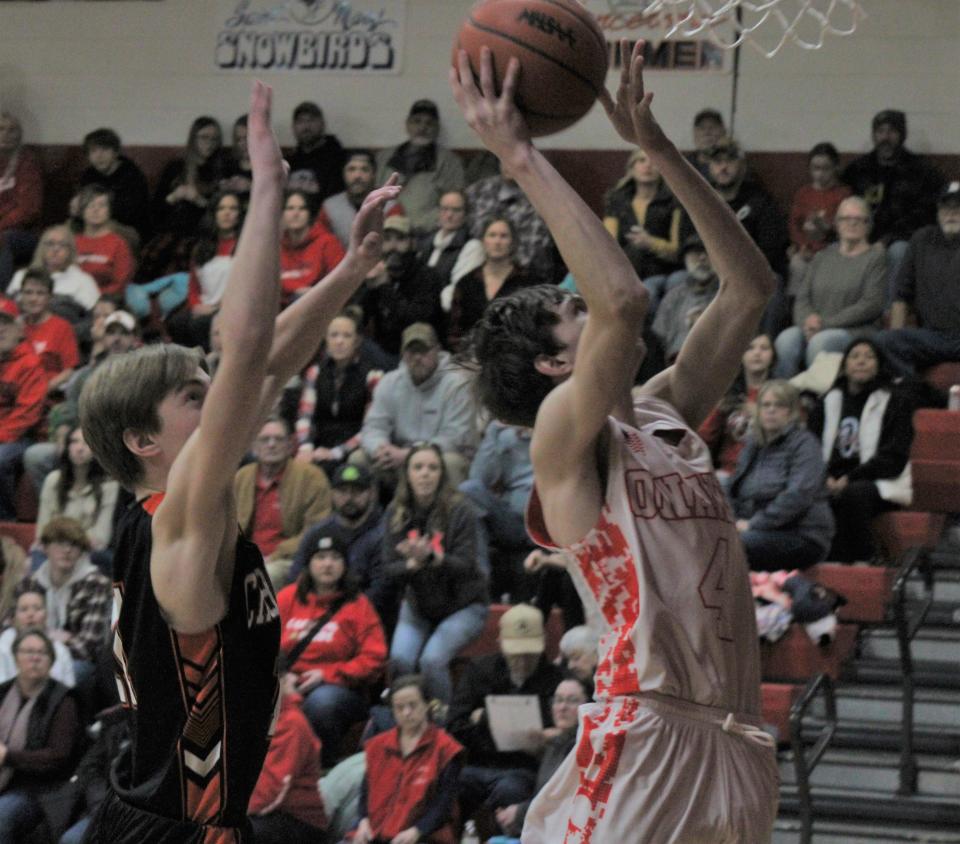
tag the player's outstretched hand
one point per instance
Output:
(630, 113)
(366, 232)
(495, 118)
(266, 160)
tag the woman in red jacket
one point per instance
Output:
(333, 641)
(410, 785)
(308, 250)
(101, 252)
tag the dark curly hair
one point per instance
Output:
(502, 347)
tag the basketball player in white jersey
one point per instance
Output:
(671, 751)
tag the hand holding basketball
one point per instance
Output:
(494, 117)
(630, 114)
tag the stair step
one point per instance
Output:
(946, 586)
(875, 807)
(934, 675)
(872, 770)
(787, 831)
(931, 644)
(870, 735)
(857, 702)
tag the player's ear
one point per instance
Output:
(554, 366)
(140, 444)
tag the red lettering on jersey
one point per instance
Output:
(675, 497)
(713, 589)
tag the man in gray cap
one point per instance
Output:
(427, 399)
(900, 186)
(403, 292)
(426, 169)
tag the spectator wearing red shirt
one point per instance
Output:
(21, 197)
(100, 250)
(52, 337)
(277, 498)
(23, 386)
(308, 251)
(286, 807)
(813, 210)
(410, 785)
(334, 642)
(725, 430)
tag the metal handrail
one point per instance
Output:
(907, 624)
(803, 763)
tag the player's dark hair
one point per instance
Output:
(503, 346)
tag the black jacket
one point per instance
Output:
(658, 222)
(489, 675)
(131, 197)
(764, 222)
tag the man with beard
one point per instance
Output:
(684, 303)
(426, 399)
(340, 209)
(316, 164)
(403, 292)
(928, 286)
(426, 169)
(899, 186)
(357, 519)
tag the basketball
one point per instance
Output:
(562, 53)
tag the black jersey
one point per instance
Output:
(202, 705)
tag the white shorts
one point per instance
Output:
(651, 769)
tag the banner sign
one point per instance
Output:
(628, 19)
(319, 36)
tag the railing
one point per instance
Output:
(907, 622)
(804, 762)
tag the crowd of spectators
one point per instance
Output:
(388, 511)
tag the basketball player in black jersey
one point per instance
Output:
(196, 630)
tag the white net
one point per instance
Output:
(765, 25)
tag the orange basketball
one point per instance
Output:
(562, 53)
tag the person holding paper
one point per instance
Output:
(493, 777)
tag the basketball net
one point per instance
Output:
(766, 25)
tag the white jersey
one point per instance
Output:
(666, 571)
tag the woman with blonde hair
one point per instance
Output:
(644, 217)
(56, 254)
(778, 490)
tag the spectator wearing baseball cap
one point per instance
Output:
(316, 165)
(427, 399)
(928, 286)
(404, 291)
(900, 187)
(331, 640)
(427, 170)
(357, 519)
(497, 778)
(23, 387)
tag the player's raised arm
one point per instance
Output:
(300, 327)
(600, 368)
(710, 357)
(194, 527)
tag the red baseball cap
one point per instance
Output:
(8, 308)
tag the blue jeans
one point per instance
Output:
(331, 710)
(896, 252)
(417, 640)
(75, 834)
(773, 550)
(169, 290)
(20, 813)
(911, 349)
(497, 520)
(10, 458)
(493, 787)
(793, 350)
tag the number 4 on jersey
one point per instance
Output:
(713, 590)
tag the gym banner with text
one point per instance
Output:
(629, 19)
(311, 36)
